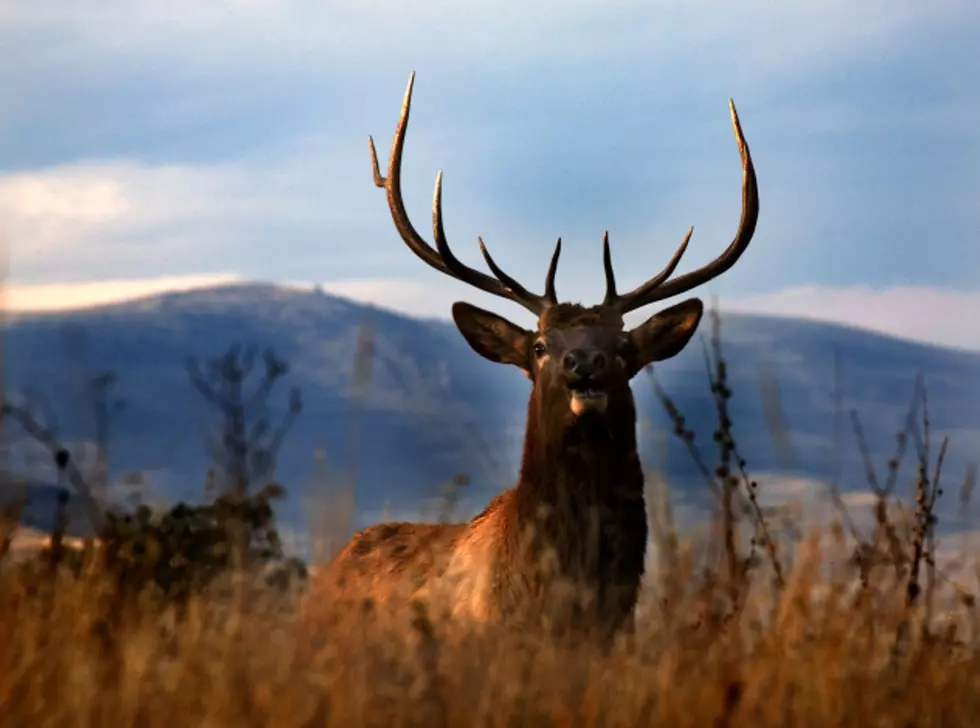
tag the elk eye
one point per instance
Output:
(540, 349)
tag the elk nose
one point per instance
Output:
(582, 363)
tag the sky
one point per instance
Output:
(153, 146)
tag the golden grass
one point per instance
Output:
(825, 651)
(818, 630)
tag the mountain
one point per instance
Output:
(434, 408)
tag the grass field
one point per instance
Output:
(825, 649)
(744, 622)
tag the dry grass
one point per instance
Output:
(824, 651)
(750, 624)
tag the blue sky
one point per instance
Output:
(152, 145)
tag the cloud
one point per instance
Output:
(85, 214)
(282, 33)
(122, 218)
(229, 139)
(916, 313)
(62, 296)
(919, 313)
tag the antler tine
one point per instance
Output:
(660, 287)
(631, 300)
(549, 282)
(503, 285)
(519, 291)
(442, 258)
(392, 185)
(611, 295)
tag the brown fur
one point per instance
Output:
(565, 547)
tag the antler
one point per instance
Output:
(660, 287)
(442, 258)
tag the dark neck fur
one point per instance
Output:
(587, 479)
(585, 459)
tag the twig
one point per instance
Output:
(729, 448)
(61, 457)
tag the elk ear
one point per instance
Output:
(491, 336)
(664, 334)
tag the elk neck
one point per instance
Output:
(584, 474)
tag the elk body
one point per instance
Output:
(568, 542)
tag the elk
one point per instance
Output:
(575, 523)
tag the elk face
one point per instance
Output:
(577, 366)
(580, 359)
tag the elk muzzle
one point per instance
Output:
(584, 369)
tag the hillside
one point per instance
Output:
(435, 409)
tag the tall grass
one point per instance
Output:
(746, 626)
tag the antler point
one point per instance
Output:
(378, 179)
(408, 92)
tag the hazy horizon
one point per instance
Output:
(408, 299)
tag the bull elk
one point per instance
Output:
(575, 523)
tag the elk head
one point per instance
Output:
(580, 359)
